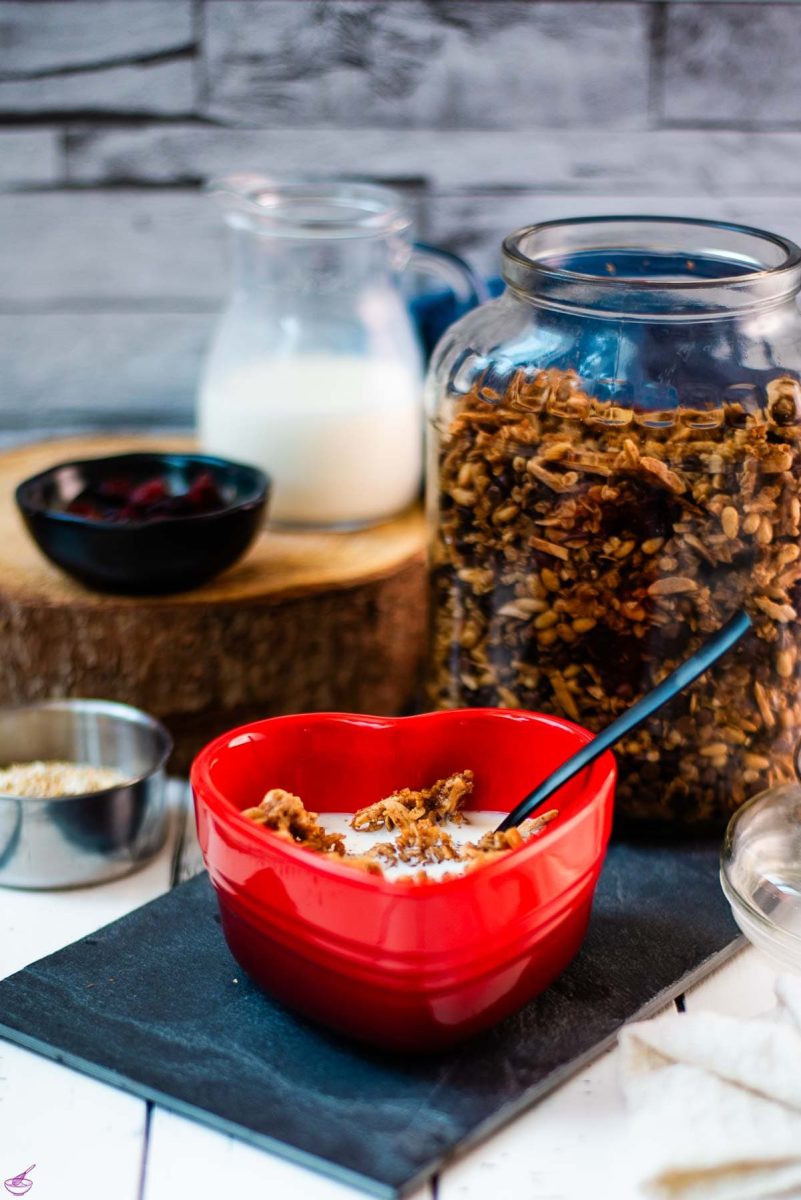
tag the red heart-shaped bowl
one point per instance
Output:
(403, 966)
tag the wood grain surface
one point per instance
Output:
(305, 622)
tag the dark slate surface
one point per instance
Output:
(150, 1003)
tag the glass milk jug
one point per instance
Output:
(315, 372)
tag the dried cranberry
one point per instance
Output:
(204, 493)
(116, 499)
(82, 508)
(149, 493)
(116, 488)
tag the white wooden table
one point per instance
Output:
(92, 1142)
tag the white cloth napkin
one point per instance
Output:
(716, 1102)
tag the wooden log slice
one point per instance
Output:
(305, 622)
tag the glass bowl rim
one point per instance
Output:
(730, 889)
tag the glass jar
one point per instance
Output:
(315, 371)
(614, 469)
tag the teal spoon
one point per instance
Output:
(707, 654)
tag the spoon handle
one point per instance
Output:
(712, 649)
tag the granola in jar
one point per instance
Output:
(582, 550)
(613, 472)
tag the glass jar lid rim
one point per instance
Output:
(515, 257)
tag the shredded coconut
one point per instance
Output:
(49, 780)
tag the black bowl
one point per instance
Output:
(144, 557)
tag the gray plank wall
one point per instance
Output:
(490, 113)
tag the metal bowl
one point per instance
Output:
(74, 840)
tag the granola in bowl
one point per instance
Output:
(412, 835)
(582, 550)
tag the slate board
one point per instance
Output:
(151, 1004)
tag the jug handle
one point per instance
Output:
(469, 287)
